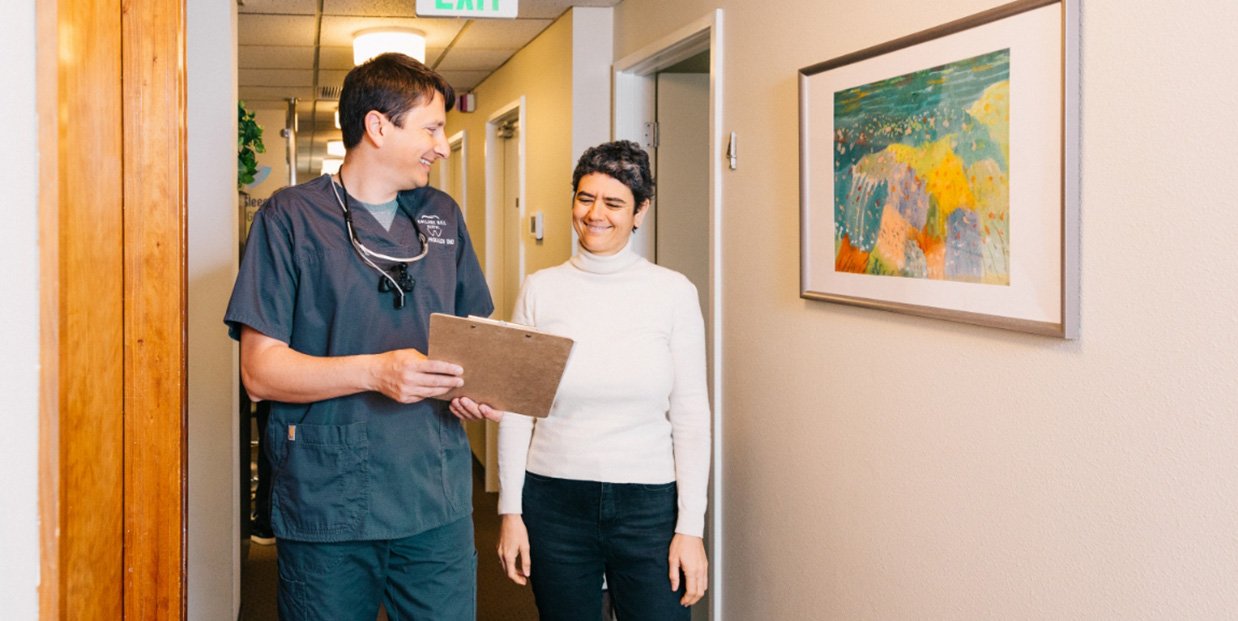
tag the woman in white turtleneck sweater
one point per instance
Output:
(613, 482)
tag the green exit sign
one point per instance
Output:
(466, 8)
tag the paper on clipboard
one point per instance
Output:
(507, 366)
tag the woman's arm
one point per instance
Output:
(515, 436)
(690, 435)
(689, 412)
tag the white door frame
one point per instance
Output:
(495, 233)
(459, 138)
(494, 219)
(634, 77)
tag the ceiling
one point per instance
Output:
(303, 49)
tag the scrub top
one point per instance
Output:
(362, 466)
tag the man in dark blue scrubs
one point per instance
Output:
(371, 490)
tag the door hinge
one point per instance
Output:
(651, 135)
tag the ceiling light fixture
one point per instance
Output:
(335, 147)
(371, 42)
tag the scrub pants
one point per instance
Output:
(430, 575)
(580, 530)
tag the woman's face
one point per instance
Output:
(604, 213)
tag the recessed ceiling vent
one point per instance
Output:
(329, 92)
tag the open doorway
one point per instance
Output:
(505, 257)
(505, 187)
(668, 98)
(681, 167)
(452, 173)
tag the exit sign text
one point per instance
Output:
(467, 8)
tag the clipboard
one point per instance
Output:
(507, 366)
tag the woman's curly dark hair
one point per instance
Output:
(622, 160)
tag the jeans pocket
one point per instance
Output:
(657, 488)
(650, 507)
(323, 480)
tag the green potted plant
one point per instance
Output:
(248, 145)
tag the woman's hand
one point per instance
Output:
(513, 545)
(466, 409)
(688, 555)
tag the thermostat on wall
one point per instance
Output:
(536, 228)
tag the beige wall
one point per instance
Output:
(541, 73)
(881, 466)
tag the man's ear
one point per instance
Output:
(374, 129)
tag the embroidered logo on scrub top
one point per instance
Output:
(434, 225)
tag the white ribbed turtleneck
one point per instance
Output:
(632, 406)
(605, 263)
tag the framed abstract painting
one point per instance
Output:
(939, 172)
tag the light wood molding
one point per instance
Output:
(90, 309)
(112, 213)
(49, 315)
(153, 67)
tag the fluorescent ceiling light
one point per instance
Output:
(335, 147)
(367, 44)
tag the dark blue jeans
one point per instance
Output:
(582, 530)
(430, 576)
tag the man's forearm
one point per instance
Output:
(279, 373)
(273, 370)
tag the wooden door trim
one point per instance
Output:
(90, 276)
(46, 72)
(112, 217)
(153, 66)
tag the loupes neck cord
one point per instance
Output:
(395, 279)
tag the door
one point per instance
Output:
(682, 175)
(451, 172)
(509, 132)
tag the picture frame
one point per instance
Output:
(939, 172)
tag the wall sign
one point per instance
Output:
(467, 8)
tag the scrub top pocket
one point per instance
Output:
(322, 484)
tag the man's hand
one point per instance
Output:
(514, 547)
(272, 370)
(466, 409)
(407, 376)
(688, 554)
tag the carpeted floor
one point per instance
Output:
(498, 599)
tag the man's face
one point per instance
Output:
(413, 148)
